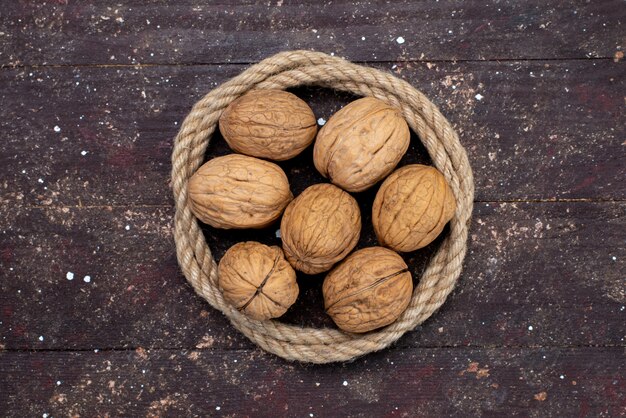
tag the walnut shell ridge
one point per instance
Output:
(257, 280)
(319, 228)
(272, 124)
(368, 290)
(236, 191)
(361, 144)
(412, 207)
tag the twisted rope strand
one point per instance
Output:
(295, 68)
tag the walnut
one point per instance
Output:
(361, 144)
(257, 280)
(411, 208)
(369, 289)
(272, 124)
(235, 191)
(319, 228)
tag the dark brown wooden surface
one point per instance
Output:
(396, 383)
(536, 274)
(542, 130)
(92, 96)
(190, 32)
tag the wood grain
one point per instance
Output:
(540, 131)
(546, 274)
(111, 32)
(581, 382)
(92, 96)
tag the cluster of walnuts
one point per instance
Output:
(359, 146)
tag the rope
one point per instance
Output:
(296, 68)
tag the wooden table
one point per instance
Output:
(96, 318)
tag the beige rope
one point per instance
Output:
(296, 68)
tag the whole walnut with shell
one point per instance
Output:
(257, 280)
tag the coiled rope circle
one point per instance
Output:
(296, 68)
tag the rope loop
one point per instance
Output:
(296, 68)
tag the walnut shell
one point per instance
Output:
(257, 280)
(411, 208)
(319, 228)
(272, 124)
(361, 144)
(235, 191)
(369, 289)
